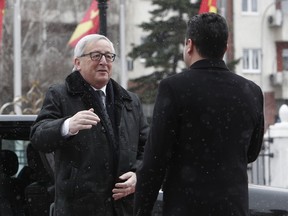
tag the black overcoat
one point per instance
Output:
(207, 126)
(88, 165)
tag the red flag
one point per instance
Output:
(88, 25)
(2, 7)
(208, 6)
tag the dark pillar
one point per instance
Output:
(102, 5)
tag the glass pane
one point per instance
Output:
(255, 60)
(254, 6)
(284, 5)
(245, 59)
(285, 59)
(244, 5)
(19, 147)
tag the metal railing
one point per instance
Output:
(259, 172)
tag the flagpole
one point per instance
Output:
(102, 5)
(17, 82)
(123, 78)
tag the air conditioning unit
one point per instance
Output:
(276, 19)
(276, 78)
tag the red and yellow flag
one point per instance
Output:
(2, 7)
(88, 25)
(208, 6)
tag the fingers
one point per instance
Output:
(128, 180)
(122, 192)
(127, 175)
(126, 187)
(83, 120)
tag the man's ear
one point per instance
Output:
(77, 63)
(189, 45)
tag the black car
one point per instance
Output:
(29, 189)
(27, 178)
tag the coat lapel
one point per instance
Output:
(76, 85)
(121, 100)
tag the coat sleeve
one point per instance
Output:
(257, 136)
(46, 131)
(157, 151)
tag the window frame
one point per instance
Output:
(251, 60)
(249, 4)
(285, 59)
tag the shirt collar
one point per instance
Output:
(102, 89)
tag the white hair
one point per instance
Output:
(81, 44)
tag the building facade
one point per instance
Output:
(258, 39)
(260, 31)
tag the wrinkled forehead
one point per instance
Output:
(89, 42)
(99, 45)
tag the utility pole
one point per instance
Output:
(17, 83)
(102, 5)
(123, 77)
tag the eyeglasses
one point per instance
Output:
(97, 56)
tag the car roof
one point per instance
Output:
(16, 127)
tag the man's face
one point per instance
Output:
(96, 73)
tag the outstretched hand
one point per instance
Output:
(83, 120)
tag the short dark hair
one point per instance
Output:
(209, 32)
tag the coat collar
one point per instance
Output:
(77, 85)
(209, 63)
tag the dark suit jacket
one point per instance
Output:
(207, 125)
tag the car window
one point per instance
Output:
(19, 147)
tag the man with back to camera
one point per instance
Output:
(98, 137)
(207, 126)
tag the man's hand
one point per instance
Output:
(83, 120)
(126, 187)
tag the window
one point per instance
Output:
(282, 56)
(284, 6)
(251, 60)
(19, 147)
(285, 59)
(249, 6)
(130, 64)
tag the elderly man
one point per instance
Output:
(97, 132)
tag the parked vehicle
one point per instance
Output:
(37, 196)
(26, 186)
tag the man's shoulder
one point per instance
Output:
(119, 90)
(57, 87)
(178, 77)
(246, 82)
(133, 96)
